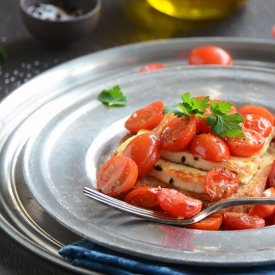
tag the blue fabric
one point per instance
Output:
(87, 254)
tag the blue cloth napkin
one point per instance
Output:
(89, 255)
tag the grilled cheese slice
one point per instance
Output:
(180, 176)
(192, 179)
(245, 168)
(184, 171)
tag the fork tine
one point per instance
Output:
(162, 217)
(121, 205)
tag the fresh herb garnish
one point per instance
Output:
(222, 123)
(112, 97)
(188, 106)
(3, 53)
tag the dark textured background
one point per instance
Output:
(122, 22)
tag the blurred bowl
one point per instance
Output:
(79, 19)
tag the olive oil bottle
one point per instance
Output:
(197, 9)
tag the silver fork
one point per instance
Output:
(165, 218)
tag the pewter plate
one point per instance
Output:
(21, 217)
(78, 134)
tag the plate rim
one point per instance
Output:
(8, 227)
(120, 245)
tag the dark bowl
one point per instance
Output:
(62, 32)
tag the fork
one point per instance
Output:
(165, 218)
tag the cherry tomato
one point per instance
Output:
(271, 176)
(144, 149)
(258, 110)
(212, 222)
(177, 133)
(147, 118)
(240, 221)
(145, 197)
(271, 219)
(258, 123)
(220, 183)
(273, 30)
(208, 55)
(177, 204)
(264, 211)
(152, 67)
(202, 127)
(117, 176)
(252, 143)
(209, 147)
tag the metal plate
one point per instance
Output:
(78, 135)
(21, 216)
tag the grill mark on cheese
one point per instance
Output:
(184, 177)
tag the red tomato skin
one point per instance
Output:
(117, 176)
(146, 118)
(209, 147)
(241, 221)
(273, 31)
(211, 223)
(177, 133)
(209, 55)
(220, 184)
(144, 149)
(177, 204)
(258, 110)
(258, 123)
(263, 211)
(152, 67)
(145, 197)
(271, 176)
(202, 127)
(245, 147)
(271, 219)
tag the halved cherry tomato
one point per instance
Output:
(147, 118)
(177, 133)
(220, 184)
(258, 123)
(271, 176)
(252, 143)
(241, 221)
(209, 147)
(207, 55)
(264, 211)
(177, 204)
(117, 176)
(258, 110)
(145, 197)
(144, 149)
(212, 222)
(152, 67)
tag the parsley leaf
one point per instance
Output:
(188, 106)
(221, 122)
(112, 97)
